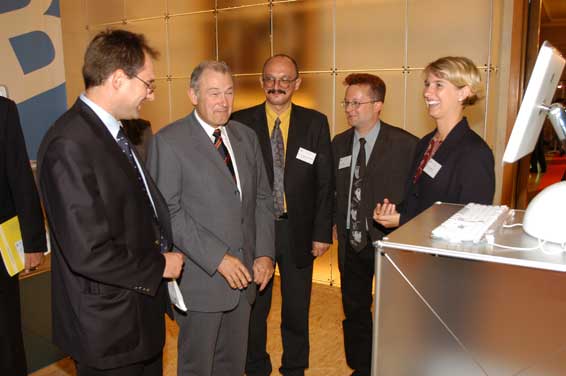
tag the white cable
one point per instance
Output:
(512, 225)
(517, 248)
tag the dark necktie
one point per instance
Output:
(124, 144)
(224, 153)
(358, 234)
(278, 153)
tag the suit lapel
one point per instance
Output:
(118, 158)
(108, 141)
(380, 148)
(451, 142)
(199, 141)
(293, 140)
(347, 150)
(239, 148)
(262, 130)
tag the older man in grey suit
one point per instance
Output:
(210, 170)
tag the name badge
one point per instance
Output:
(345, 162)
(432, 168)
(306, 155)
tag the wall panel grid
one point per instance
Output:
(329, 39)
(390, 38)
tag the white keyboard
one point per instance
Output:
(470, 223)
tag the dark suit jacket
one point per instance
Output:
(386, 173)
(308, 187)
(108, 294)
(18, 196)
(466, 174)
(208, 217)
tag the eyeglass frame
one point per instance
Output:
(149, 86)
(355, 104)
(283, 82)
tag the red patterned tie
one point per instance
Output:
(433, 146)
(223, 151)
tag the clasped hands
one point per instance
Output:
(238, 276)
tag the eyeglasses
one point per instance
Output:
(149, 86)
(284, 82)
(355, 104)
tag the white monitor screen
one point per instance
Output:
(540, 91)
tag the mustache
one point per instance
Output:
(276, 91)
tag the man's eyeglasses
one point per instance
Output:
(284, 82)
(355, 104)
(149, 86)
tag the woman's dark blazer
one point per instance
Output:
(467, 173)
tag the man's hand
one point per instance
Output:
(386, 214)
(173, 264)
(32, 261)
(319, 248)
(263, 271)
(234, 272)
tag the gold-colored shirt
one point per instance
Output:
(285, 119)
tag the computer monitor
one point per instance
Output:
(536, 103)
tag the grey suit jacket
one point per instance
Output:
(207, 215)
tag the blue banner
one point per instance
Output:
(32, 67)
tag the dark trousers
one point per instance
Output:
(12, 354)
(296, 284)
(356, 278)
(150, 367)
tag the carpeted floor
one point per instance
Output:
(555, 167)
(327, 346)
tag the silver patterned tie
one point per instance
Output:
(358, 234)
(278, 153)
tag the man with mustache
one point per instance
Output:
(295, 142)
(372, 160)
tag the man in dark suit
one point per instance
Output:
(18, 197)
(110, 227)
(212, 176)
(372, 161)
(295, 143)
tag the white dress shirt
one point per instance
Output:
(210, 132)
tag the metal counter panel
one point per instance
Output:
(440, 314)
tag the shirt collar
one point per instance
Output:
(209, 129)
(272, 115)
(109, 121)
(371, 137)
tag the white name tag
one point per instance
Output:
(432, 168)
(306, 155)
(345, 162)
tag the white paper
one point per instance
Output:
(175, 295)
(306, 155)
(432, 168)
(345, 162)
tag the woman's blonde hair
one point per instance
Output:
(459, 71)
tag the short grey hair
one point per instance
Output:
(216, 66)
